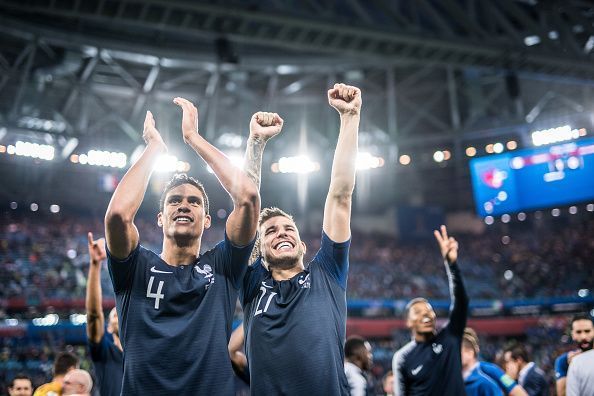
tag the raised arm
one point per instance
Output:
(337, 210)
(263, 127)
(243, 220)
(459, 299)
(120, 232)
(93, 300)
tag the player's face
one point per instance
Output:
(22, 387)
(582, 332)
(112, 326)
(280, 242)
(468, 357)
(421, 318)
(389, 385)
(184, 215)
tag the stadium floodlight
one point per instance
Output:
(470, 151)
(512, 145)
(55, 208)
(438, 156)
(405, 159)
(232, 140)
(169, 163)
(33, 150)
(489, 220)
(529, 41)
(556, 135)
(296, 164)
(498, 148)
(47, 320)
(101, 158)
(78, 319)
(367, 161)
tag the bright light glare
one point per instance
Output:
(47, 320)
(236, 159)
(367, 161)
(470, 151)
(405, 159)
(554, 135)
(297, 164)
(438, 156)
(102, 158)
(498, 148)
(33, 150)
(169, 163)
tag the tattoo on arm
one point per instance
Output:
(253, 159)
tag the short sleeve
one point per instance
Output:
(561, 367)
(251, 282)
(235, 260)
(122, 271)
(98, 351)
(333, 257)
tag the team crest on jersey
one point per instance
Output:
(206, 271)
(304, 281)
(437, 348)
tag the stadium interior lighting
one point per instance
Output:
(498, 148)
(529, 41)
(170, 163)
(41, 124)
(230, 140)
(489, 220)
(297, 164)
(366, 161)
(505, 218)
(470, 151)
(78, 319)
(511, 145)
(556, 135)
(34, 207)
(438, 156)
(555, 212)
(55, 208)
(573, 210)
(33, 150)
(521, 216)
(11, 322)
(404, 159)
(2, 149)
(47, 320)
(101, 158)
(489, 148)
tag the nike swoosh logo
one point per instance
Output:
(416, 370)
(153, 269)
(265, 285)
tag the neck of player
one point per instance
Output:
(176, 253)
(423, 337)
(280, 274)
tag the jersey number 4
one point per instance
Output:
(158, 296)
(258, 309)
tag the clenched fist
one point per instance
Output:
(265, 125)
(346, 99)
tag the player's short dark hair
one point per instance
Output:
(64, 362)
(578, 317)
(413, 302)
(519, 352)
(470, 339)
(20, 376)
(179, 179)
(352, 345)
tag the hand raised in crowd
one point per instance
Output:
(346, 99)
(447, 245)
(265, 125)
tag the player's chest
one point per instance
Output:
(426, 360)
(164, 288)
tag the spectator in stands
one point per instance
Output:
(64, 363)
(21, 385)
(77, 382)
(476, 382)
(519, 367)
(358, 361)
(582, 333)
(580, 378)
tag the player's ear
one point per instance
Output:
(304, 247)
(160, 219)
(207, 221)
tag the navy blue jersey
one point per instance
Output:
(108, 363)
(479, 383)
(295, 329)
(561, 366)
(534, 382)
(435, 367)
(175, 322)
(504, 381)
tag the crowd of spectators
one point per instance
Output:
(43, 259)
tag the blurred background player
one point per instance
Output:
(580, 377)
(295, 316)
(476, 382)
(431, 363)
(78, 382)
(64, 363)
(582, 333)
(176, 309)
(21, 385)
(505, 382)
(519, 367)
(105, 346)
(358, 361)
(388, 383)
